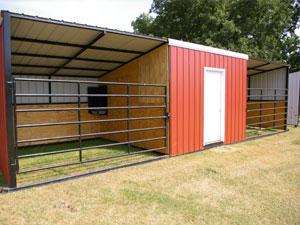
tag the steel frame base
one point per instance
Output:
(72, 177)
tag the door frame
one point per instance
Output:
(223, 107)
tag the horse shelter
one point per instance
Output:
(79, 99)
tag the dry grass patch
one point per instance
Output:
(255, 182)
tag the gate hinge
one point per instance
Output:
(168, 114)
(15, 165)
(10, 84)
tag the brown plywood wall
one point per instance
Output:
(265, 117)
(150, 68)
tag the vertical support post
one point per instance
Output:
(274, 107)
(49, 90)
(168, 82)
(167, 117)
(79, 122)
(286, 97)
(128, 118)
(9, 99)
(260, 108)
(14, 89)
(249, 93)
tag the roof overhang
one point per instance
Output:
(42, 46)
(203, 48)
(260, 66)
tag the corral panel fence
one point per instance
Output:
(130, 122)
(266, 111)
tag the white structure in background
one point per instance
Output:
(294, 98)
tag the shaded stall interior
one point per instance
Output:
(85, 97)
(267, 97)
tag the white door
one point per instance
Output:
(214, 105)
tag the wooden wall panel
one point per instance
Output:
(150, 68)
(269, 108)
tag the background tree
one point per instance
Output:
(260, 28)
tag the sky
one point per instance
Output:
(114, 14)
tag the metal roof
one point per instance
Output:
(259, 66)
(42, 46)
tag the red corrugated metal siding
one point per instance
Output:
(3, 130)
(186, 98)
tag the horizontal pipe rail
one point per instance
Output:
(47, 124)
(47, 139)
(254, 110)
(267, 102)
(123, 131)
(252, 117)
(88, 95)
(280, 89)
(88, 82)
(90, 108)
(88, 161)
(249, 96)
(71, 136)
(266, 122)
(89, 121)
(273, 127)
(89, 147)
(265, 128)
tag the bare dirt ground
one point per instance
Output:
(255, 182)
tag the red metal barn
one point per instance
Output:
(74, 95)
(190, 66)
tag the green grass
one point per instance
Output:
(70, 157)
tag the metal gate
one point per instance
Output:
(266, 111)
(134, 145)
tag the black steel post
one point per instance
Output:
(9, 99)
(260, 107)
(15, 123)
(286, 96)
(128, 116)
(79, 123)
(167, 116)
(274, 105)
(50, 90)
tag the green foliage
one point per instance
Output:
(260, 28)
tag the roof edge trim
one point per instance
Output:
(203, 48)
